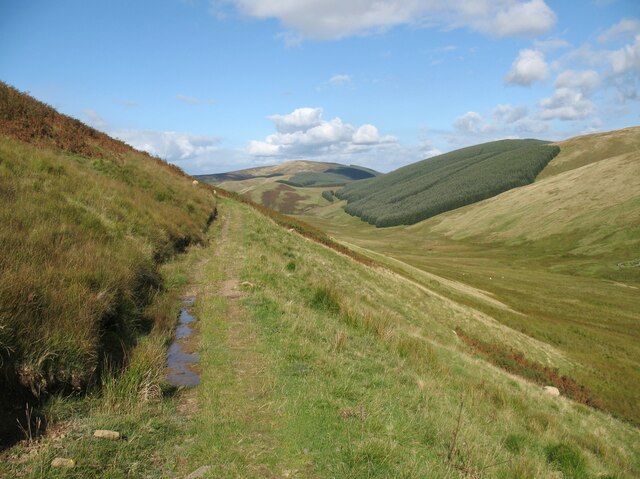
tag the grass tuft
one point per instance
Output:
(567, 460)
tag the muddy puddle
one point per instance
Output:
(181, 364)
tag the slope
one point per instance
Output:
(86, 222)
(298, 173)
(430, 187)
(291, 187)
(315, 365)
(560, 255)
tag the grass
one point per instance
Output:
(545, 260)
(340, 370)
(134, 400)
(334, 369)
(86, 222)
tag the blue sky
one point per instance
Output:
(220, 85)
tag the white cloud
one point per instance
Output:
(169, 145)
(585, 81)
(334, 19)
(566, 104)
(550, 44)
(623, 28)
(472, 122)
(529, 67)
(304, 133)
(627, 58)
(299, 120)
(528, 18)
(366, 135)
(505, 113)
(340, 79)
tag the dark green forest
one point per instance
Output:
(338, 176)
(424, 189)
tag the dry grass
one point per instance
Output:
(84, 227)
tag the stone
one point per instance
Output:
(554, 391)
(106, 434)
(198, 473)
(63, 462)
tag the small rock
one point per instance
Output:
(552, 390)
(106, 434)
(198, 473)
(291, 230)
(247, 284)
(63, 462)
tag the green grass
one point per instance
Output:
(86, 225)
(544, 260)
(339, 370)
(134, 400)
(424, 189)
(334, 369)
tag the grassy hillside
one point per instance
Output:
(337, 176)
(286, 169)
(430, 187)
(292, 187)
(555, 260)
(315, 365)
(86, 222)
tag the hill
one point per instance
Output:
(295, 173)
(317, 365)
(556, 259)
(291, 187)
(430, 187)
(87, 221)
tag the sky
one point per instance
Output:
(220, 85)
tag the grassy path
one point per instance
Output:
(234, 428)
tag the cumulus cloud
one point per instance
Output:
(623, 28)
(472, 122)
(528, 18)
(585, 81)
(550, 44)
(505, 113)
(169, 145)
(334, 19)
(627, 58)
(529, 67)
(566, 104)
(304, 133)
(299, 120)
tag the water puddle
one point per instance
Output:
(180, 364)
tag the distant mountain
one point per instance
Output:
(424, 189)
(297, 173)
(290, 187)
